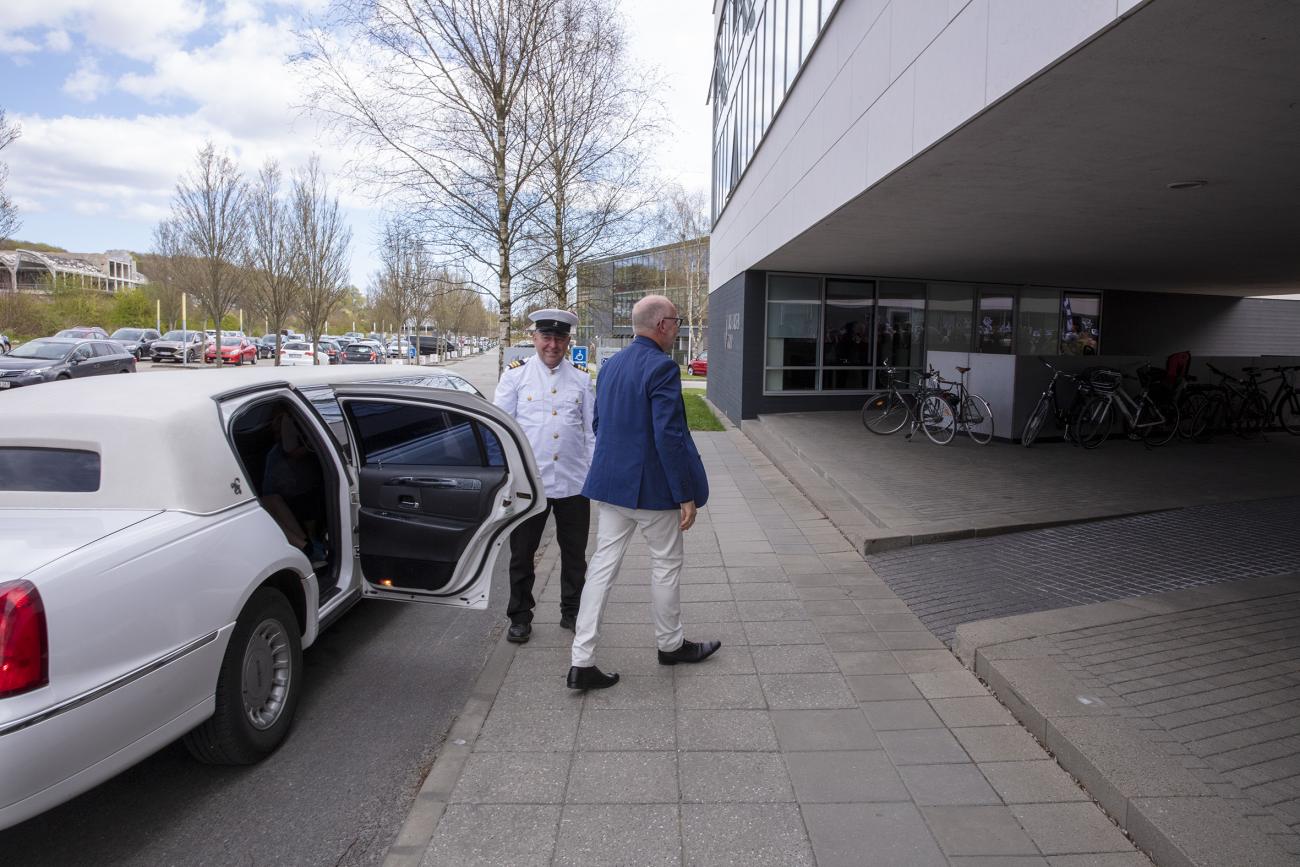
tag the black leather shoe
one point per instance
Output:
(519, 632)
(690, 651)
(569, 622)
(590, 677)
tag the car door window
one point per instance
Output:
(394, 433)
(82, 352)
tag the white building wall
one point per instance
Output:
(888, 79)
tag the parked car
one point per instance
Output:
(266, 346)
(331, 348)
(234, 350)
(115, 645)
(83, 332)
(137, 341)
(364, 352)
(398, 348)
(179, 345)
(297, 352)
(699, 366)
(47, 359)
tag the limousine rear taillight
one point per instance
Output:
(24, 641)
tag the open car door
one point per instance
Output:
(443, 478)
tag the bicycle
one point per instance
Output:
(925, 407)
(973, 413)
(1049, 404)
(1234, 404)
(1154, 421)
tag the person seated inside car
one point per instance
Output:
(292, 486)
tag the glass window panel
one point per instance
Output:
(1037, 321)
(948, 319)
(847, 379)
(850, 322)
(764, 42)
(793, 289)
(1080, 324)
(993, 331)
(792, 334)
(791, 43)
(38, 469)
(809, 28)
(900, 325)
(791, 380)
(778, 54)
(827, 6)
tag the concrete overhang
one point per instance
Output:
(1064, 182)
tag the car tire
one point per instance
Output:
(253, 360)
(258, 685)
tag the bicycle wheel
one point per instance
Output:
(977, 418)
(1288, 412)
(1164, 430)
(938, 419)
(1253, 416)
(1034, 423)
(1189, 410)
(1093, 424)
(884, 413)
(1212, 416)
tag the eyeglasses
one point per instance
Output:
(676, 319)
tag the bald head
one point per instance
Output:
(647, 313)
(654, 316)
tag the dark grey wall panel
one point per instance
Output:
(727, 347)
(1157, 324)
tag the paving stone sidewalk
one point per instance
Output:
(832, 728)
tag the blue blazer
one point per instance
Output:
(645, 457)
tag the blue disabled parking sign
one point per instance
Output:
(580, 355)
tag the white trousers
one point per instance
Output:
(614, 526)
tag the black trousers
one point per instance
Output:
(572, 522)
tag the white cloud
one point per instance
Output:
(18, 45)
(87, 83)
(58, 40)
(135, 28)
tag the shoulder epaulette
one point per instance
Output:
(581, 367)
(518, 362)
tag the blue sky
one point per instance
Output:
(116, 96)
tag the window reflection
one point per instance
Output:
(900, 325)
(1080, 324)
(993, 331)
(948, 319)
(1037, 323)
(846, 335)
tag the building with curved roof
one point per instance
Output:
(33, 271)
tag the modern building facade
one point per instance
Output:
(31, 271)
(608, 287)
(999, 179)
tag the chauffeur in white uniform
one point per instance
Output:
(554, 402)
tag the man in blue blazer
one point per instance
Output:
(645, 474)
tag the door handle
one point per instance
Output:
(406, 501)
(446, 484)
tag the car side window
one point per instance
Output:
(82, 352)
(399, 433)
(103, 349)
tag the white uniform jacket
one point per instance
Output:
(555, 408)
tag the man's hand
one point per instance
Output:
(688, 515)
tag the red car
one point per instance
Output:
(234, 350)
(700, 365)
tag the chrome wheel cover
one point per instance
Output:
(266, 674)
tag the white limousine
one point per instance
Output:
(302, 491)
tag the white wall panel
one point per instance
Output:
(913, 25)
(950, 77)
(1024, 36)
(889, 128)
(869, 67)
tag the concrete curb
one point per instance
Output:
(412, 841)
(1166, 810)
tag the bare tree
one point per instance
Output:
(594, 119)
(684, 221)
(320, 250)
(405, 278)
(441, 97)
(210, 216)
(273, 292)
(165, 269)
(9, 222)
